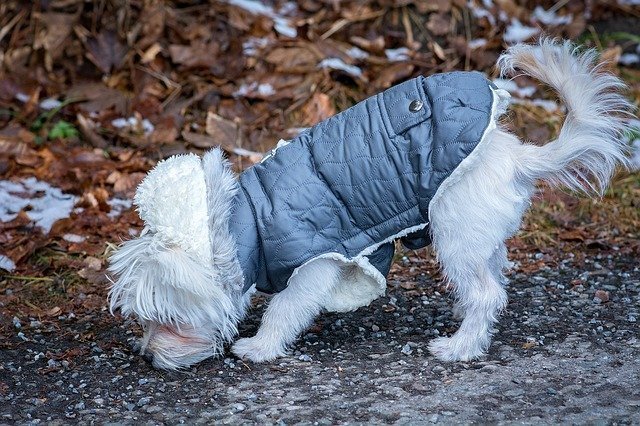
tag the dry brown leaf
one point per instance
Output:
(292, 58)
(165, 131)
(222, 130)
(57, 28)
(106, 51)
(99, 98)
(199, 140)
(391, 74)
(375, 45)
(439, 23)
(153, 20)
(197, 55)
(318, 108)
(88, 128)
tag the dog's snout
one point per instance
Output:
(148, 357)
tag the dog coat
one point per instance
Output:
(349, 186)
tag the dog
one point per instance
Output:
(315, 222)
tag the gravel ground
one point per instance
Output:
(567, 350)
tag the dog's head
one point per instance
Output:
(179, 278)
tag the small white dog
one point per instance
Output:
(319, 234)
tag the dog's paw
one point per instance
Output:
(452, 349)
(256, 350)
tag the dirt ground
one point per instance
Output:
(567, 349)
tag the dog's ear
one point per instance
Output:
(162, 283)
(175, 272)
(221, 188)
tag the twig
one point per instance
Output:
(5, 30)
(344, 22)
(26, 278)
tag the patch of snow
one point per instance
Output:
(550, 17)
(281, 23)
(629, 59)
(251, 46)
(479, 12)
(511, 87)
(22, 97)
(50, 103)
(357, 53)
(118, 205)
(397, 55)
(266, 90)
(550, 106)
(477, 43)
(46, 203)
(339, 64)
(133, 123)
(263, 89)
(516, 32)
(6, 263)
(73, 238)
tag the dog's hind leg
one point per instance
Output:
(291, 311)
(480, 297)
(470, 220)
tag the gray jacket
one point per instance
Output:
(353, 183)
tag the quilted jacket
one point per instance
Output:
(355, 182)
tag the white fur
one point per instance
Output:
(184, 289)
(291, 311)
(182, 279)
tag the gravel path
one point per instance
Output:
(567, 349)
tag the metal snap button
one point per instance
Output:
(415, 105)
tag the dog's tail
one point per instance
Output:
(590, 144)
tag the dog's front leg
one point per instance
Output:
(291, 311)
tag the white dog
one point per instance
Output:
(209, 240)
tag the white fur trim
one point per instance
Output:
(363, 283)
(358, 287)
(367, 251)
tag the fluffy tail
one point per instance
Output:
(590, 144)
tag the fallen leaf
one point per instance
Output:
(318, 108)
(375, 45)
(153, 21)
(199, 140)
(98, 98)
(391, 74)
(439, 23)
(55, 311)
(197, 55)
(222, 130)
(106, 51)
(57, 28)
(292, 58)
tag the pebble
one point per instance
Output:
(406, 349)
(144, 401)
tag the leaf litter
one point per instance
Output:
(123, 85)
